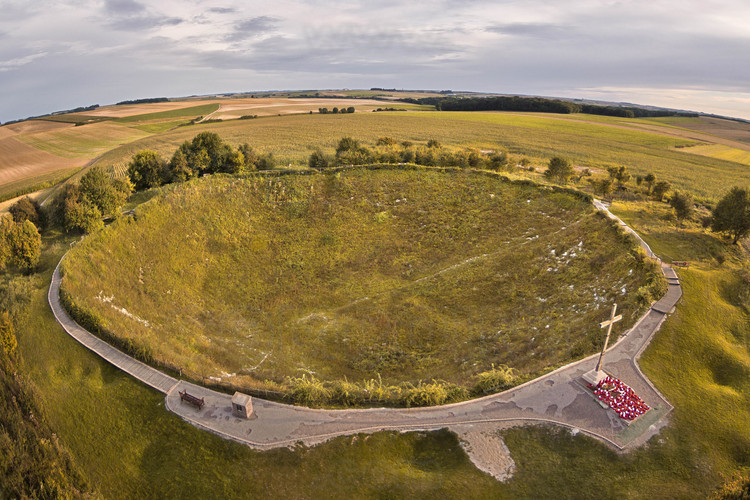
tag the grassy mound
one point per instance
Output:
(395, 275)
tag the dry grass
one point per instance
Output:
(408, 274)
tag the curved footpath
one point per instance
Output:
(559, 397)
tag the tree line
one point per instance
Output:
(539, 105)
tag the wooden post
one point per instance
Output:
(612, 320)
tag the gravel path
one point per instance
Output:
(559, 398)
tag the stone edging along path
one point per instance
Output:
(559, 397)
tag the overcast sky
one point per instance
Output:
(689, 54)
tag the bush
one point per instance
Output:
(266, 162)
(147, 170)
(559, 169)
(423, 394)
(28, 209)
(317, 160)
(8, 342)
(308, 391)
(497, 379)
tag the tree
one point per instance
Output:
(559, 169)
(682, 203)
(660, 189)
(98, 189)
(28, 209)
(732, 214)
(6, 253)
(26, 245)
(179, 167)
(350, 109)
(650, 179)
(147, 170)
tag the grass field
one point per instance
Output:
(406, 274)
(83, 142)
(292, 138)
(722, 152)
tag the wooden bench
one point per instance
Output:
(189, 398)
(681, 263)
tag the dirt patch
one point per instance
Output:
(34, 126)
(487, 451)
(19, 161)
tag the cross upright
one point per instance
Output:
(612, 320)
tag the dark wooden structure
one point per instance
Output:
(193, 400)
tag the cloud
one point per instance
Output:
(123, 7)
(12, 64)
(129, 15)
(535, 30)
(222, 10)
(251, 28)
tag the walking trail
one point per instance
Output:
(560, 397)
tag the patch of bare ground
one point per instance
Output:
(487, 450)
(34, 126)
(20, 161)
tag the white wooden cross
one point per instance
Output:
(612, 320)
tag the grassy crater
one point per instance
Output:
(394, 275)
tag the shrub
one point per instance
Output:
(559, 169)
(496, 379)
(498, 161)
(433, 143)
(307, 391)
(147, 170)
(424, 394)
(28, 209)
(266, 162)
(317, 160)
(8, 342)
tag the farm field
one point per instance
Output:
(407, 275)
(588, 144)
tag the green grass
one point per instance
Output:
(160, 127)
(193, 111)
(129, 446)
(406, 274)
(25, 186)
(292, 138)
